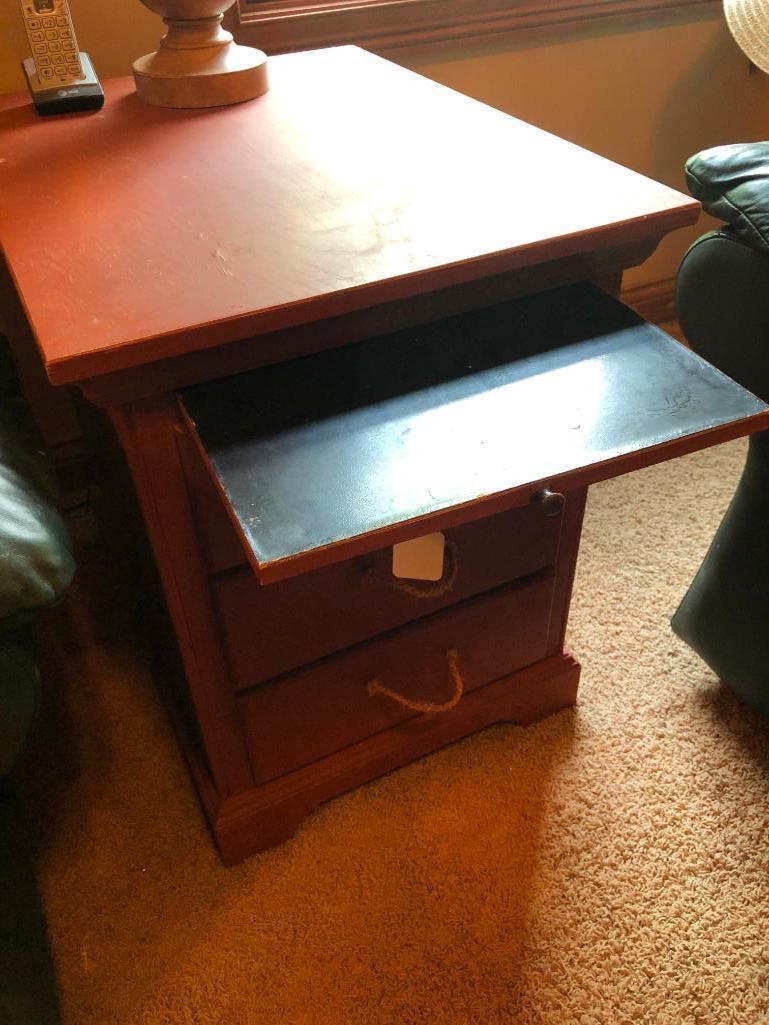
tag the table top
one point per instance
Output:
(138, 233)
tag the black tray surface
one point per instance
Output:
(356, 440)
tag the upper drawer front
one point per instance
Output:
(271, 629)
(322, 708)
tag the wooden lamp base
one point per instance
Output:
(198, 64)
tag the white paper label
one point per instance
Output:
(420, 559)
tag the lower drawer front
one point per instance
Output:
(302, 716)
(271, 629)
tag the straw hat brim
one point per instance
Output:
(748, 21)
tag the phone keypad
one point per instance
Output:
(53, 42)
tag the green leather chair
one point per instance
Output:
(36, 566)
(723, 307)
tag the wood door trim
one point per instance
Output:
(279, 26)
(654, 301)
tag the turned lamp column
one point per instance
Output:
(198, 63)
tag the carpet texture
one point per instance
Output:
(606, 866)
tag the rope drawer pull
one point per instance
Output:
(375, 687)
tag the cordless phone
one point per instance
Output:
(60, 78)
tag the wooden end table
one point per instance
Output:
(349, 245)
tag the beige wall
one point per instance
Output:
(646, 92)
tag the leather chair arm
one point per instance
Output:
(36, 562)
(722, 299)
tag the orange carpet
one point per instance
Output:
(607, 866)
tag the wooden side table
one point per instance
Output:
(346, 314)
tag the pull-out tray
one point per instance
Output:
(323, 458)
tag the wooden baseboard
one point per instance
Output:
(654, 302)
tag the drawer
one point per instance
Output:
(326, 458)
(304, 715)
(271, 629)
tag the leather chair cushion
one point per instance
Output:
(36, 563)
(732, 183)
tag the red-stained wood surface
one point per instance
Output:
(352, 182)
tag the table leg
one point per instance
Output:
(148, 434)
